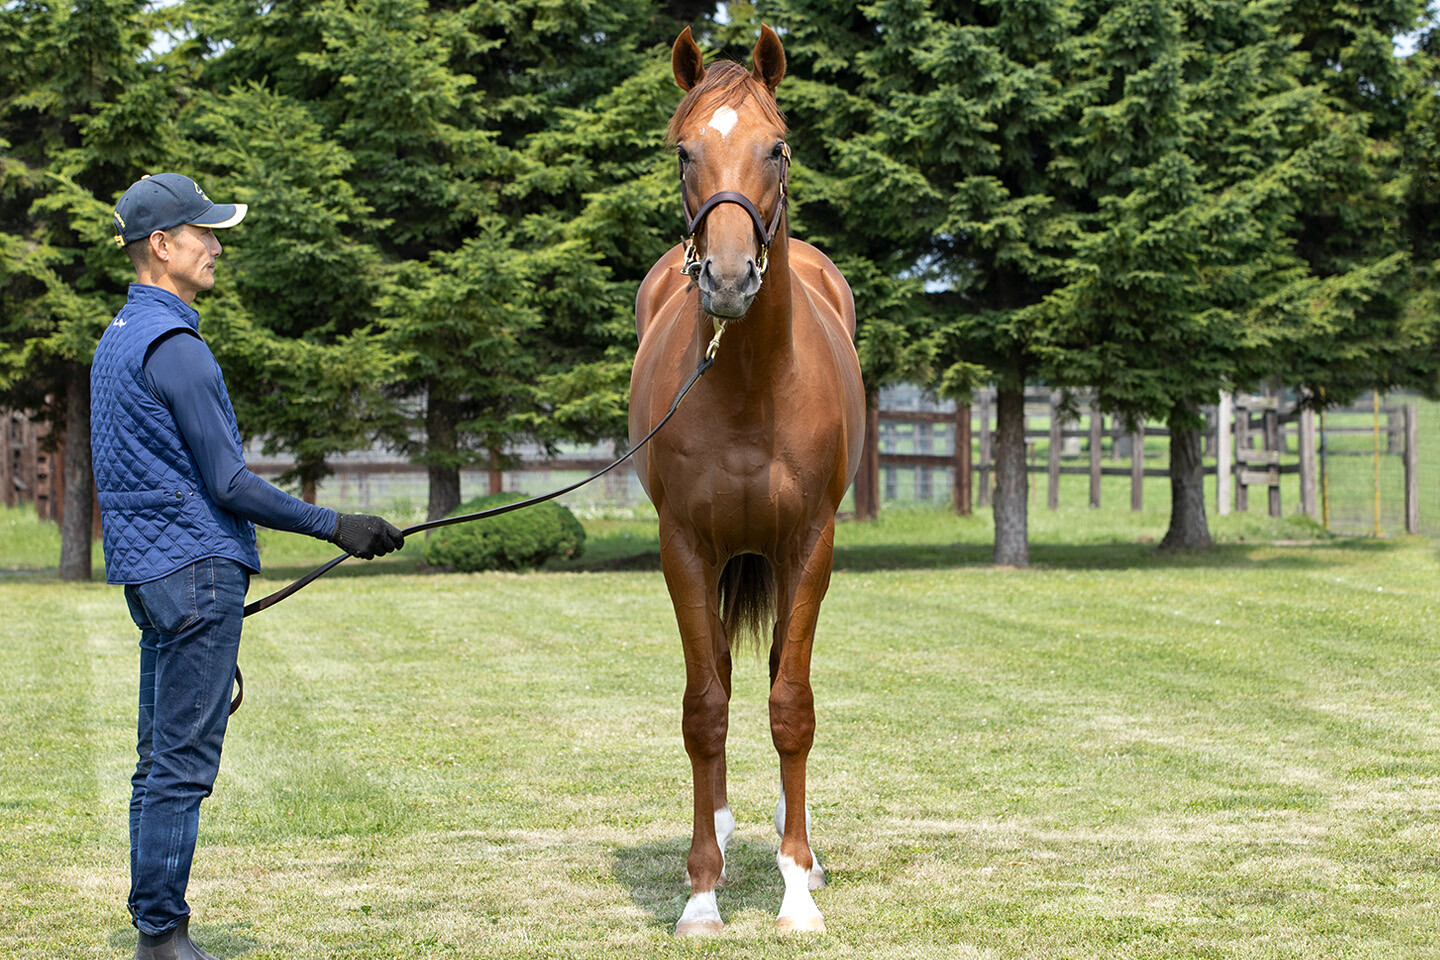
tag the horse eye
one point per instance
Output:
(778, 152)
(684, 157)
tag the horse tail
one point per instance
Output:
(747, 599)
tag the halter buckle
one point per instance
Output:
(691, 265)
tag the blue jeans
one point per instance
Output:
(189, 639)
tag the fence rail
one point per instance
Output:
(1251, 443)
(1346, 464)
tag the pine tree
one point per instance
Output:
(1355, 322)
(938, 122)
(1421, 167)
(442, 109)
(290, 317)
(84, 104)
(1192, 167)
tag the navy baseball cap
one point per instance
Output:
(164, 202)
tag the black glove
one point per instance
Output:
(364, 536)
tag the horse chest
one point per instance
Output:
(746, 496)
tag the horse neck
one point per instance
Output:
(761, 342)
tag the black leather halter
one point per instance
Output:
(765, 233)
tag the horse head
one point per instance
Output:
(734, 170)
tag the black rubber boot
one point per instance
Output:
(171, 945)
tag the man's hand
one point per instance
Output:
(366, 537)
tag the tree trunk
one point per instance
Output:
(1188, 529)
(311, 473)
(497, 475)
(442, 445)
(867, 479)
(1012, 483)
(79, 519)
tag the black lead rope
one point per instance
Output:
(265, 603)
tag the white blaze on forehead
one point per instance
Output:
(724, 121)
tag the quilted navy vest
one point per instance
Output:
(156, 514)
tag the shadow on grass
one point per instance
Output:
(1112, 556)
(224, 940)
(654, 873)
(866, 558)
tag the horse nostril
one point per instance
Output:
(752, 279)
(705, 279)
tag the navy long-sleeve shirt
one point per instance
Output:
(178, 371)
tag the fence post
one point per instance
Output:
(963, 490)
(1307, 463)
(1324, 473)
(9, 446)
(925, 476)
(44, 474)
(1056, 436)
(1224, 465)
(1412, 469)
(987, 452)
(1375, 400)
(1272, 442)
(1137, 467)
(1242, 444)
(1097, 430)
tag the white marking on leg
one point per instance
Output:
(701, 917)
(797, 911)
(724, 121)
(724, 830)
(817, 873)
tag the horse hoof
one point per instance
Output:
(815, 923)
(699, 928)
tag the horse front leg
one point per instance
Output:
(792, 728)
(693, 589)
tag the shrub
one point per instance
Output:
(520, 540)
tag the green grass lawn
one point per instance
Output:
(1115, 753)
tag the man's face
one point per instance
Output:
(191, 263)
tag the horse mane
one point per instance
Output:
(733, 85)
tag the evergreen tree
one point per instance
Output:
(938, 122)
(1354, 320)
(442, 108)
(1193, 169)
(84, 105)
(1421, 166)
(289, 318)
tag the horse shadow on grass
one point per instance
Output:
(654, 875)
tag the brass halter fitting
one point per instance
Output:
(714, 347)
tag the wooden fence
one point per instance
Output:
(1252, 440)
(29, 473)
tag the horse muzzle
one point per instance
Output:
(728, 292)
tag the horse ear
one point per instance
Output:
(686, 61)
(769, 57)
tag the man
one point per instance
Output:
(178, 507)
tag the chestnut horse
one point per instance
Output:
(747, 477)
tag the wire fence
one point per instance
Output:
(1363, 472)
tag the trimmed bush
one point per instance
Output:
(520, 540)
